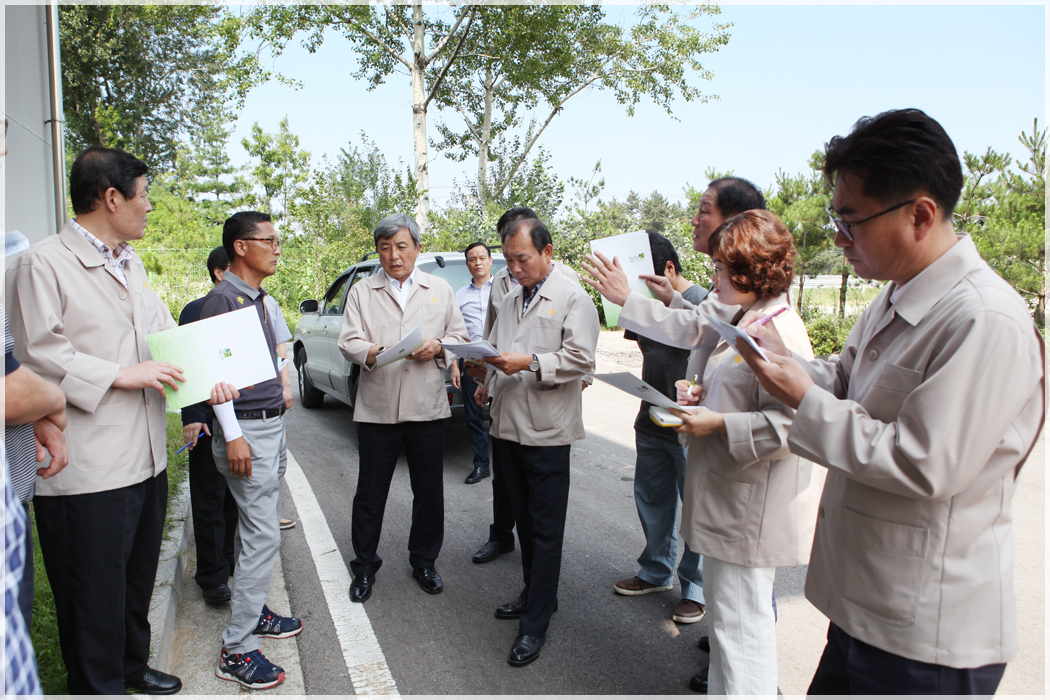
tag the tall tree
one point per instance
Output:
(799, 201)
(1004, 207)
(523, 58)
(139, 76)
(282, 170)
(393, 38)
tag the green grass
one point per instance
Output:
(44, 631)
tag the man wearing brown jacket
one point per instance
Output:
(923, 423)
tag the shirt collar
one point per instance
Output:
(486, 283)
(121, 254)
(401, 285)
(912, 300)
(243, 286)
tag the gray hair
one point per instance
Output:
(388, 228)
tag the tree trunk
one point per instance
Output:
(842, 291)
(801, 286)
(483, 146)
(419, 116)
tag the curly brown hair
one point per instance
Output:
(758, 252)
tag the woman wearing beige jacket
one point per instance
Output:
(749, 504)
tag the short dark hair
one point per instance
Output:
(97, 169)
(514, 214)
(735, 195)
(537, 230)
(663, 251)
(474, 245)
(758, 251)
(898, 154)
(217, 260)
(238, 227)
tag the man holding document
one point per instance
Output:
(249, 448)
(546, 332)
(80, 310)
(401, 403)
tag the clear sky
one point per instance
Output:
(790, 78)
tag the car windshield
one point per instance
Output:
(455, 271)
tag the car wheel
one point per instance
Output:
(309, 397)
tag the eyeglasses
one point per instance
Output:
(720, 269)
(844, 227)
(274, 241)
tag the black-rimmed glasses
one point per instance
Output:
(274, 241)
(844, 227)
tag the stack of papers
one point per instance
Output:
(472, 351)
(404, 347)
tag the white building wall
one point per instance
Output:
(27, 175)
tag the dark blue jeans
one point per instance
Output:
(479, 437)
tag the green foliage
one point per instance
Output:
(282, 169)
(138, 77)
(1005, 211)
(828, 333)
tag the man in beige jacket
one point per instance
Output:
(546, 332)
(402, 404)
(923, 423)
(80, 308)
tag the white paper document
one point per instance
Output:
(404, 347)
(625, 381)
(730, 333)
(635, 257)
(472, 351)
(226, 348)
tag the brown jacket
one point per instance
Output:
(406, 390)
(747, 500)
(76, 325)
(924, 422)
(561, 328)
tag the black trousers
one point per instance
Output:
(214, 513)
(852, 667)
(501, 530)
(379, 445)
(100, 553)
(537, 482)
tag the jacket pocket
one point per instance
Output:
(722, 507)
(544, 408)
(371, 389)
(102, 438)
(882, 567)
(889, 390)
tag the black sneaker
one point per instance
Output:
(251, 670)
(273, 626)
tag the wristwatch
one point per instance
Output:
(534, 366)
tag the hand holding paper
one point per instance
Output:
(404, 347)
(616, 266)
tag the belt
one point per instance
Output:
(258, 415)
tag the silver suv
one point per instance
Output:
(320, 364)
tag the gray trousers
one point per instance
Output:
(258, 539)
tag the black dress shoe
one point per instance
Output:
(704, 644)
(491, 551)
(153, 682)
(429, 580)
(512, 611)
(477, 475)
(525, 650)
(217, 594)
(698, 683)
(361, 588)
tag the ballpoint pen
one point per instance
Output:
(189, 443)
(766, 319)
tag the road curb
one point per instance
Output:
(170, 573)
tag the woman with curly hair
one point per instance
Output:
(749, 504)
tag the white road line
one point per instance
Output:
(364, 658)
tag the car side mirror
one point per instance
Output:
(308, 307)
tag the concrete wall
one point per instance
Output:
(27, 175)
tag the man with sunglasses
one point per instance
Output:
(923, 423)
(250, 451)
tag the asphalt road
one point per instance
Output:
(599, 642)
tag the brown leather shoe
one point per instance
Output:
(688, 611)
(637, 586)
